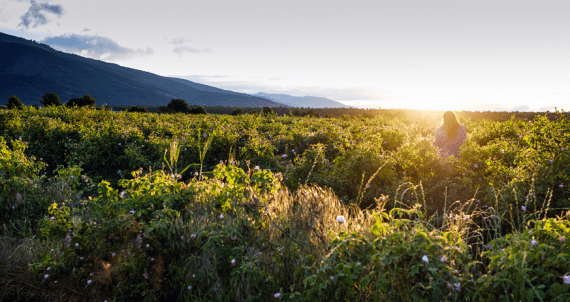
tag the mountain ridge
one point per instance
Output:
(29, 69)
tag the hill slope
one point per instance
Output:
(29, 69)
(305, 101)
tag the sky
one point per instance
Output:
(498, 55)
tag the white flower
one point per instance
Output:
(533, 242)
(190, 287)
(523, 208)
(221, 216)
(147, 245)
(256, 168)
(277, 295)
(340, 219)
(132, 211)
(77, 244)
(89, 281)
(425, 258)
(566, 279)
(443, 258)
(233, 261)
(457, 286)
(47, 276)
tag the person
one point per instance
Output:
(449, 136)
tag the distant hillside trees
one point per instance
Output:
(198, 110)
(267, 111)
(178, 105)
(50, 99)
(14, 103)
(84, 101)
(237, 111)
(137, 109)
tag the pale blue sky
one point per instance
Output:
(454, 55)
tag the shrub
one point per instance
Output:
(178, 106)
(14, 103)
(84, 101)
(50, 99)
(140, 109)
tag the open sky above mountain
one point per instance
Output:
(457, 55)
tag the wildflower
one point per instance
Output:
(193, 236)
(340, 219)
(233, 261)
(551, 161)
(55, 281)
(561, 149)
(91, 274)
(189, 287)
(221, 216)
(293, 150)
(502, 150)
(523, 208)
(46, 276)
(48, 268)
(145, 275)
(332, 278)
(561, 186)
(181, 237)
(52, 218)
(195, 173)
(443, 258)
(234, 237)
(277, 295)
(77, 244)
(89, 282)
(132, 211)
(561, 239)
(151, 259)
(533, 242)
(123, 194)
(457, 286)
(566, 279)
(147, 245)
(476, 166)
(466, 217)
(367, 186)
(256, 168)
(425, 258)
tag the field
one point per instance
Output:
(97, 205)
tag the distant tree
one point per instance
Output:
(85, 100)
(178, 105)
(296, 112)
(267, 111)
(50, 99)
(237, 111)
(14, 103)
(198, 110)
(137, 109)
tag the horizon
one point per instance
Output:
(434, 55)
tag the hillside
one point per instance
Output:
(29, 69)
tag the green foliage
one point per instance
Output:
(50, 99)
(197, 110)
(84, 101)
(529, 266)
(14, 103)
(178, 106)
(267, 111)
(140, 109)
(237, 111)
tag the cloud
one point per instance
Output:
(86, 29)
(34, 14)
(178, 41)
(181, 50)
(95, 47)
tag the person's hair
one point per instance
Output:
(450, 124)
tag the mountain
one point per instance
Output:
(29, 69)
(305, 101)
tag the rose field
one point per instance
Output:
(97, 205)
